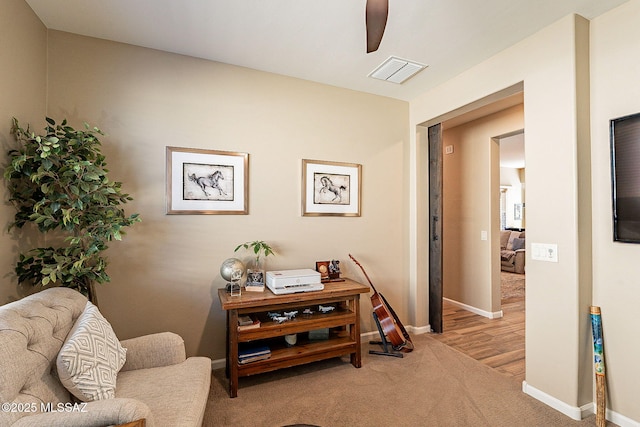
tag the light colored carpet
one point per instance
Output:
(512, 286)
(434, 385)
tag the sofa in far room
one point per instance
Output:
(62, 365)
(512, 251)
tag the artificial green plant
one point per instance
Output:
(58, 181)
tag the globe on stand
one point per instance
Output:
(232, 271)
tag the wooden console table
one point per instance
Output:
(343, 323)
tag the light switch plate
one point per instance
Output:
(544, 252)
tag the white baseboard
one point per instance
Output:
(574, 412)
(419, 330)
(619, 419)
(483, 313)
(416, 330)
(365, 336)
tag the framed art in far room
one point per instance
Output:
(517, 211)
(207, 182)
(331, 188)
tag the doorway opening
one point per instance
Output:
(469, 229)
(512, 221)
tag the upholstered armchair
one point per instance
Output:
(512, 251)
(44, 383)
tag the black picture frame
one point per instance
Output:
(625, 178)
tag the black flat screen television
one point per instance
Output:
(625, 177)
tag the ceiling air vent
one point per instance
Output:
(396, 70)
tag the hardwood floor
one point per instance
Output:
(498, 343)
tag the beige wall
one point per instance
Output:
(557, 339)
(165, 274)
(23, 80)
(562, 154)
(471, 270)
(615, 92)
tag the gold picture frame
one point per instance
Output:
(331, 188)
(207, 182)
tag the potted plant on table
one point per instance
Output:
(58, 181)
(255, 270)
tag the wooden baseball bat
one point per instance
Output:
(598, 359)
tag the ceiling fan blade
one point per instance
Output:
(376, 20)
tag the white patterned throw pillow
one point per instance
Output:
(91, 357)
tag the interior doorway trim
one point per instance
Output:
(484, 106)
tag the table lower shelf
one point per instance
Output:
(301, 353)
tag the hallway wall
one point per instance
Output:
(471, 266)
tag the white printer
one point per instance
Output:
(292, 281)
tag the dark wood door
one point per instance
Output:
(435, 229)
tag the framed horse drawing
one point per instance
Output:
(331, 188)
(203, 181)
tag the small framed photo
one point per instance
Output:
(322, 267)
(331, 188)
(207, 182)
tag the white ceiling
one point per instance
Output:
(320, 40)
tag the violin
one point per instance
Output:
(389, 322)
